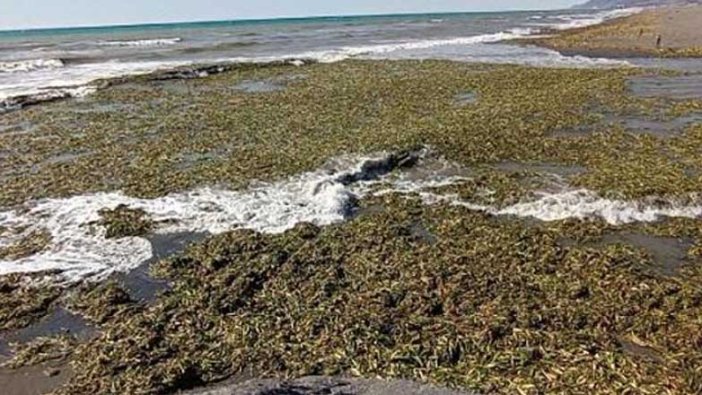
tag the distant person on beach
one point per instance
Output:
(658, 41)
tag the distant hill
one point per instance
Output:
(608, 4)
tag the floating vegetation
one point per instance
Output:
(41, 350)
(24, 299)
(32, 243)
(100, 303)
(496, 306)
(435, 293)
(230, 138)
(125, 222)
(496, 188)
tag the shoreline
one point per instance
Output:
(21, 102)
(188, 69)
(632, 36)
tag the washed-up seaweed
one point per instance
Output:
(41, 350)
(125, 222)
(29, 244)
(497, 306)
(101, 303)
(431, 293)
(172, 136)
(24, 299)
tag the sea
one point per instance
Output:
(49, 63)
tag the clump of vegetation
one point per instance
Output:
(101, 303)
(497, 306)
(32, 243)
(495, 188)
(41, 350)
(125, 222)
(24, 299)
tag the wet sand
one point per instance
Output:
(34, 380)
(327, 385)
(634, 36)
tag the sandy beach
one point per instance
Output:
(634, 36)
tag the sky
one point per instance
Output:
(21, 14)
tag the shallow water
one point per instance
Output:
(467, 98)
(263, 86)
(543, 168)
(139, 283)
(658, 128)
(16, 129)
(679, 87)
(58, 322)
(685, 65)
(668, 254)
(420, 232)
(66, 157)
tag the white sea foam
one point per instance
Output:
(498, 53)
(23, 66)
(74, 79)
(335, 55)
(156, 42)
(587, 204)
(584, 20)
(562, 202)
(79, 248)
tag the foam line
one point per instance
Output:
(326, 196)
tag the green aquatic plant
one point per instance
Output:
(125, 222)
(40, 350)
(497, 306)
(29, 244)
(24, 298)
(431, 293)
(350, 107)
(101, 303)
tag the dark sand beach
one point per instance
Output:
(361, 227)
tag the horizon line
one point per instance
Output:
(260, 19)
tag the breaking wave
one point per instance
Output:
(587, 204)
(156, 42)
(79, 249)
(584, 20)
(25, 66)
(60, 78)
(335, 55)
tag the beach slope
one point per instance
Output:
(664, 32)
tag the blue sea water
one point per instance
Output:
(56, 62)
